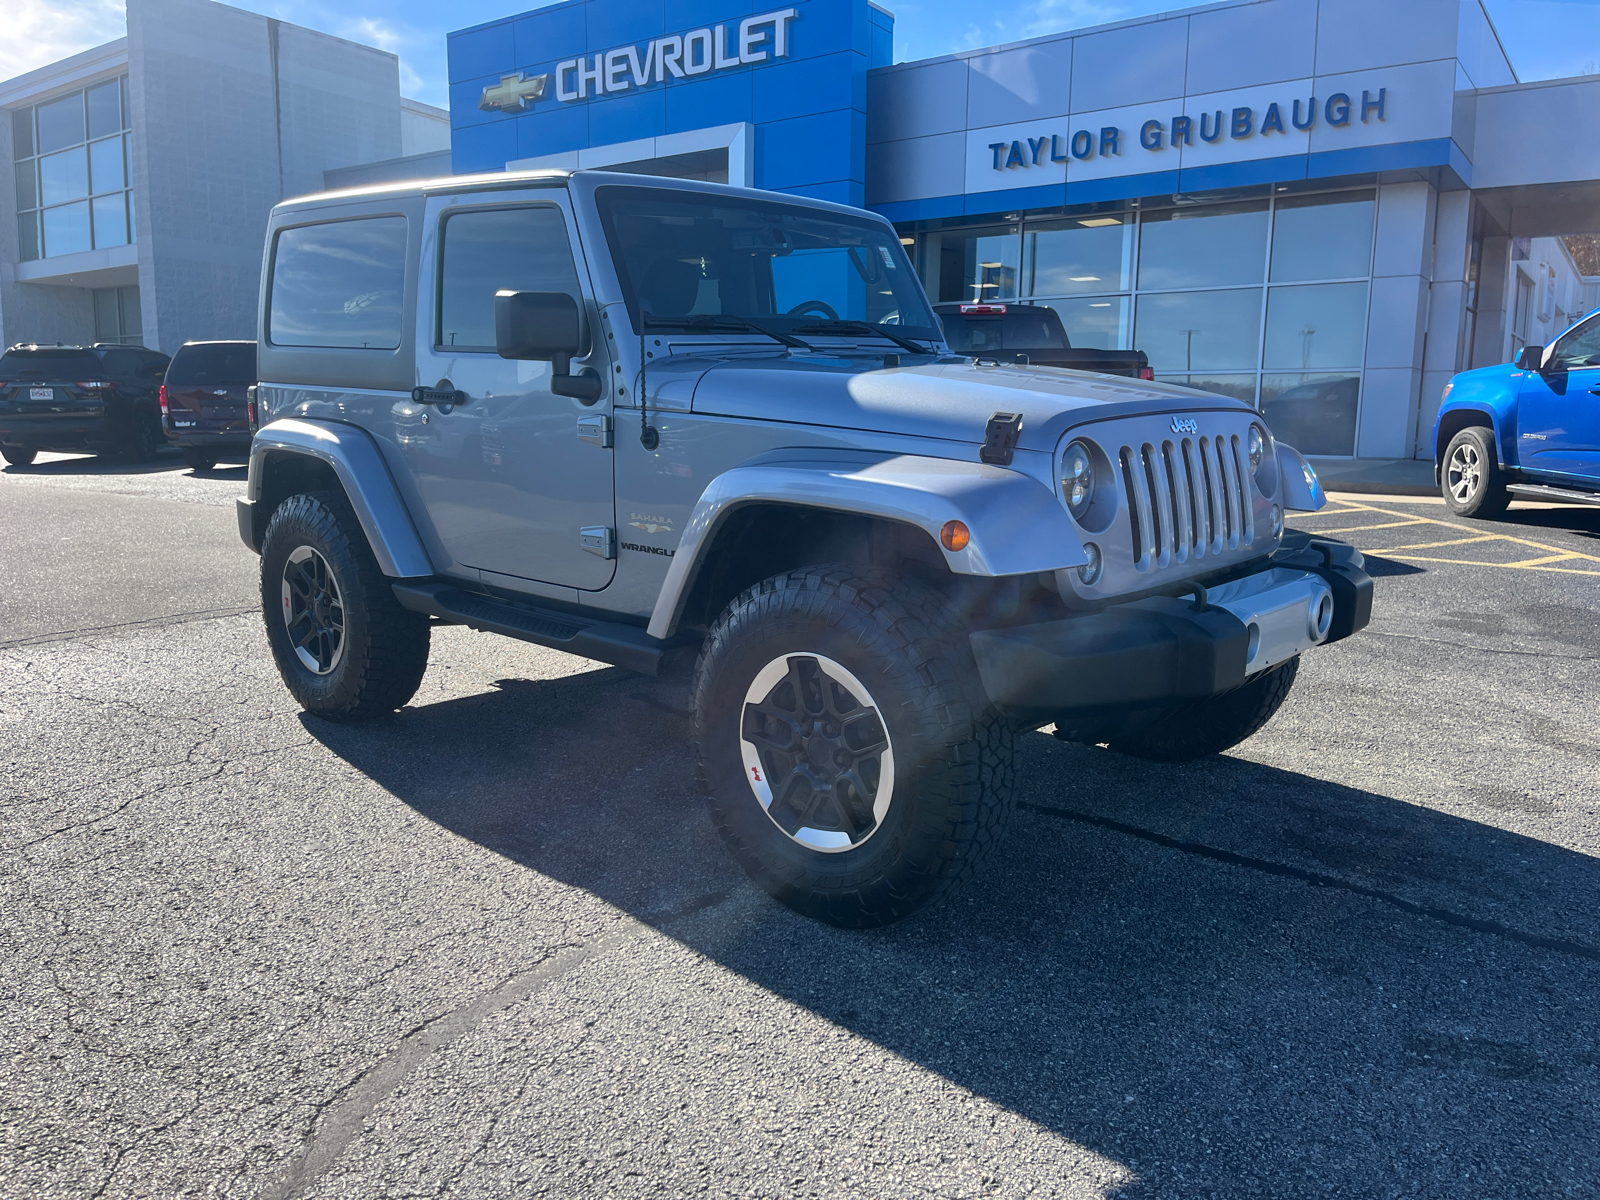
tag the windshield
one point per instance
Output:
(213, 364)
(50, 364)
(1017, 329)
(687, 254)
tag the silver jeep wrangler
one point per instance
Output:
(645, 420)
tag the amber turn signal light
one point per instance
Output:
(955, 535)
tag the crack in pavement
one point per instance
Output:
(1318, 879)
(183, 618)
(341, 1117)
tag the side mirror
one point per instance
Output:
(1531, 358)
(544, 326)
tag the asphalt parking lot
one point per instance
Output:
(492, 946)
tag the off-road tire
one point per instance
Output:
(18, 456)
(953, 756)
(1209, 727)
(197, 460)
(1480, 487)
(385, 645)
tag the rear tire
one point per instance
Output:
(1209, 727)
(1470, 476)
(345, 647)
(18, 456)
(887, 777)
(142, 438)
(197, 460)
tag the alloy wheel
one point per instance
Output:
(1463, 472)
(816, 752)
(313, 611)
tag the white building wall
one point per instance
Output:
(424, 129)
(1397, 319)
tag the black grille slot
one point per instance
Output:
(1133, 503)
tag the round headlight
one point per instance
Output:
(1258, 445)
(1077, 479)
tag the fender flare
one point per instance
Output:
(362, 472)
(1018, 525)
(1302, 490)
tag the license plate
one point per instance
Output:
(41, 393)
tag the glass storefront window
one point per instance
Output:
(58, 168)
(66, 229)
(973, 264)
(1323, 237)
(1206, 331)
(1239, 387)
(1094, 323)
(1316, 414)
(1316, 326)
(1078, 256)
(1214, 245)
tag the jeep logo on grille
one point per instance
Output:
(1185, 425)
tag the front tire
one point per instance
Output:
(18, 456)
(854, 767)
(1470, 476)
(346, 648)
(1209, 727)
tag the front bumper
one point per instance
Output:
(1096, 670)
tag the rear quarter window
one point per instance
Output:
(215, 364)
(339, 285)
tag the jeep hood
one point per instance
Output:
(947, 400)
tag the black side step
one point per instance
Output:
(1543, 491)
(604, 641)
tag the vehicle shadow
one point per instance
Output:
(1580, 519)
(1235, 979)
(166, 462)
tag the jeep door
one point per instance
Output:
(1558, 407)
(508, 484)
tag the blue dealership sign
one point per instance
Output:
(619, 80)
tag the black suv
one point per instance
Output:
(80, 399)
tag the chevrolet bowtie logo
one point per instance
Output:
(513, 92)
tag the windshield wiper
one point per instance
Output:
(848, 327)
(713, 322)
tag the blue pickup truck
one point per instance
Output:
(1527, 428)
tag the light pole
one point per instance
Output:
(1188, 349)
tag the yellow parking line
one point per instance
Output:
(1380, 551)
(1531, 565)
(1500, 536)
(1538, 562)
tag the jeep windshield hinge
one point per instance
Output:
(599, 540)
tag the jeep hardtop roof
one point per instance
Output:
(546, 178)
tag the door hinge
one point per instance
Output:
(596, 430)
(599, 540)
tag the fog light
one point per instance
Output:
(1322, 617)
(1277, 520)
(1090, 571)
(955, 535)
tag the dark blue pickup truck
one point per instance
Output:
(1526, 428)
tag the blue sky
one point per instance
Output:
(1547, 39)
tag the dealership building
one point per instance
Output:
(136, 177)
(1327, 207)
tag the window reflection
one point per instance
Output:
(1094, 323)
(973, 264)
(1238, 387)
(66, 229)
(1078, 256)
(1323, 237)
(56, 169)
(1206, 331)
(1209, 246)
(1316, 414)
(1320, 326)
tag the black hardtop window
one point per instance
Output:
(1579, 348)
(682, 254)
(1015, 329)
(486, 250)
(339, 285)
(52, 363)
(213, 364)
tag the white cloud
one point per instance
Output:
(39, 32)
